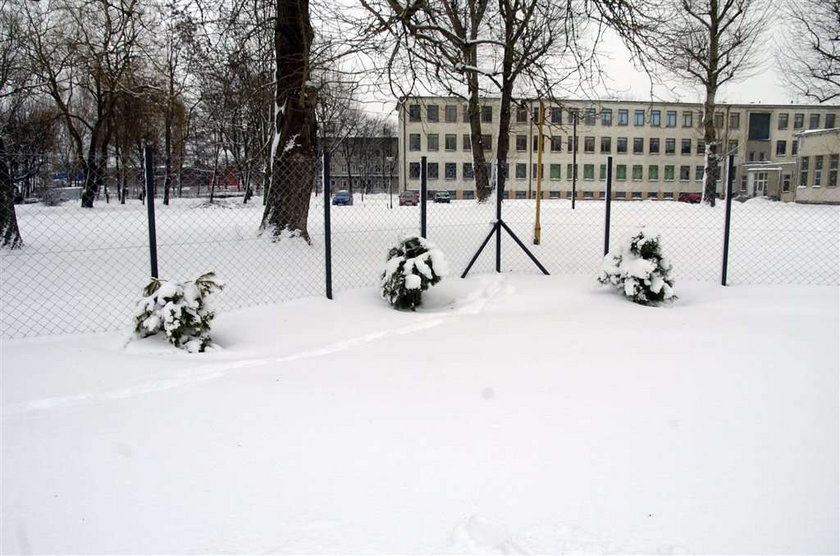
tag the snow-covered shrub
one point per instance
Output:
(412, 266)
(638, 269)
(182, 311)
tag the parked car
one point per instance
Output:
(442, 197)
(343, 197)
(409, 198)
(690, 197)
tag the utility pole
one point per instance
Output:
(540, 124)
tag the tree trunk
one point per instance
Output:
(9, 230)
(482, 178)
(91, 184)
(293, 159)
(712, 162)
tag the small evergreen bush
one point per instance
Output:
(638, 268)
(182, 311)
(412, 266)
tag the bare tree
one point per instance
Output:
(293, 147)
(810, 55)
(709, 43)
(81, 53)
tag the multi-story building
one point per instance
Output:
(819, 158)
(364, 164)
(657, 148)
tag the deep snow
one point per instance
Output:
(513, 413)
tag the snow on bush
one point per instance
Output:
(182, 311)
(412, 266)
(638, 269)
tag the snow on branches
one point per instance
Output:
(638, 269)
(181, 311)
(412, 266)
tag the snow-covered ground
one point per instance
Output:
(512, 414)
(82, 270)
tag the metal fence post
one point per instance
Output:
(423, 195)
(149, 167)
(609, 200)
(500, 191)
(325, 196)
(730, 177)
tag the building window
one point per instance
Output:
(571, 144)
(571, 172)
(621, 145)
(450, 113)
(414, 170)
(413, 112)
(606, 144)
(698, 173)
(652, 195)
(653, 172)
(466, 142)
(781, 148)
(638, 118)
(833, 161)
(638, 172)
(556, 115)
(685, 146)
(589, 144)
(734, 120)
(636, 195)
(655, 118)
(671, 118)
(432, 142)
(554, 171)
(487, 141)
(783, 120)
(688, 119)
(701, 147)
(653, 145)
(521, 115)
(798, 121)
(621, 172)
(590, 116)
(818, 168)
(685, 173)
(432, 170)
(794, 147)
(803, 171)
(486, 114)
(521, 142)
(468, 171)
(814, 122)
(534, 170)
(623, 117)
(668, 195)
(449, 168)
(414, 141)
(620, 195)
(556, 143)
(733, 146)
(638, 145)
(589, 172)
(606, 117)
(602, 172)
(432, 113)
(670, 146)
(829, 121)
(588, 195)
(718, 120)
(521, 171)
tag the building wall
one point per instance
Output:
(817, 168)
(656, 168)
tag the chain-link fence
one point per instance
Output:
(83, 269)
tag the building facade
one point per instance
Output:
(819, 157)
(657, 148)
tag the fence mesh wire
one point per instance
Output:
(83, 269)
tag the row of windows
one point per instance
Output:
(640, 117)
(637, 171)
(556, 143)
(816, 176)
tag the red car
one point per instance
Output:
(690, 197)
(409, 198)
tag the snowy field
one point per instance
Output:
(82, 270)
(514, 413)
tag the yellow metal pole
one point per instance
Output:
(537, 228)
